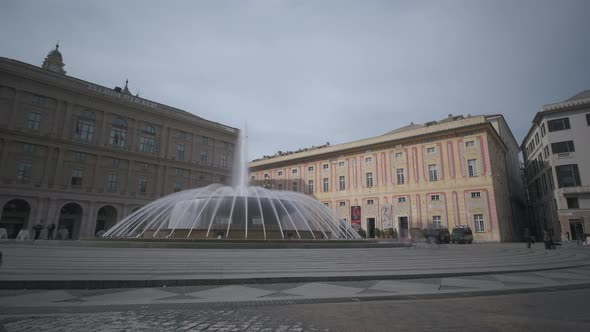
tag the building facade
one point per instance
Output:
(82, 156)
(457, 171)
(557, 168)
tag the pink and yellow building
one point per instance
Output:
(456, 171)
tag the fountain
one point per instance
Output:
(239, 211)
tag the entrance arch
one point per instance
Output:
(70, 218)
(105, 219)
(15, 216)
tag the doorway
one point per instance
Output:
(15, 216)
(371, 228)
(403, 227)
(577, 230)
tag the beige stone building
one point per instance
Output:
(557, 168)
(457, 171)
(82, 156)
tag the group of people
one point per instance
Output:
(40, 232)
(547, 239)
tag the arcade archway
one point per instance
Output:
(15, 216)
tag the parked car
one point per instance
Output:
(437, 235)
(462, 234)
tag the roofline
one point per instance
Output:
(371, 142)
(102, 96)
(564, 106)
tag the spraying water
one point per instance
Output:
(238, 211)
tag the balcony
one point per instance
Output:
(576, 190)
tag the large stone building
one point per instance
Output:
(83, 156)
(557, 168)
(457, 171)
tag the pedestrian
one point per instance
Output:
(50, 230)
(547, 239)
(528, 237)
(567, 236)
(37, 228)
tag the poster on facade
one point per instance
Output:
(355, 220)
(386, 217)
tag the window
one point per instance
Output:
(23, 171)
(563, 147)
(326, 166)
(79, 156)
(435, 197)
(370, 202)
(294, 171)
(145, 166)
(203, 155)
(280, 186)
(546, 151)
(436, 221)
(252, 178)
(310, 186)
(572, 203)
(179, 171)
(537, 138)
(567, 176)
(294, 186)
(472, 167)
(327, 204)
(432, 172)
(469, 144)
(369, 180)
(280, 173)
(76, 177)
(182, 135)
(399, 154)
(180, 152)
(310, 169)
(401, 177)
(177, 187)
(340, 164)
(204, 140)
(142, 184)
(116, 163)
(342, 203)
(118, 133)
(341, 183)
(34, 120)
(147, 139)
(28, 148)
(478, 221)
(266, 176)
(225, 145)
(85, 126)
(558, 124)
(38, 100)
(543, 132)
(430, 150)
(224, 160)
(112, 183)
(326, 185)
(368, 159)
(401, 199)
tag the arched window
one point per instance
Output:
(147, 139)
(85, 126)
(118, 133)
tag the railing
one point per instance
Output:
(576, 190)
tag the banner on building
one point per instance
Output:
(355, 220)
(386, 217)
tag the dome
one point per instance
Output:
(218, 211)
(55, 53)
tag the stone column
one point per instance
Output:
(131, 132)
(14, 111)
(88, 221)
(59, 111)
(65, 129)
(58, 171)
(95, 177)
(46, 168)
(128, 180)
(165, 142)
(103, 136)
(192, 153)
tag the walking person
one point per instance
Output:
(547, 239)
(528, 237)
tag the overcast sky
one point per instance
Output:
(302, 73)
